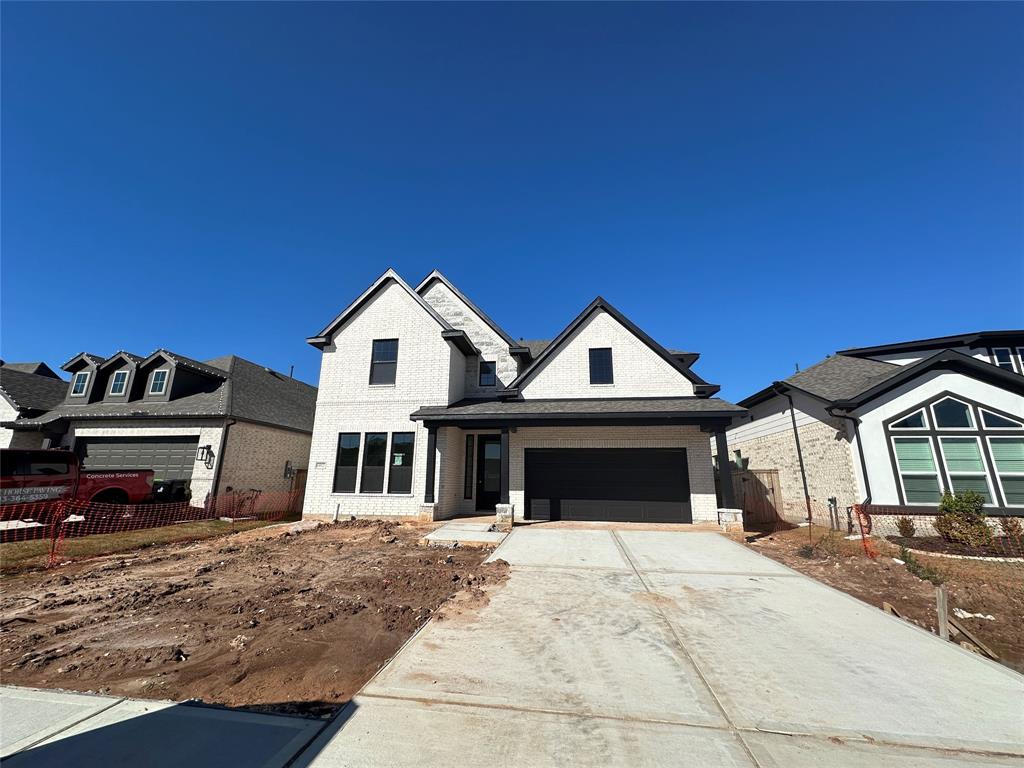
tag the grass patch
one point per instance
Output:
(919, 569)
(23, 555)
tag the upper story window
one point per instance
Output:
(119, 383)
(601, 366)
(916, 420)
(384, 361)
(1003, 357)
(488, 373)
(952, 414)
(78, 383)
(158, 385)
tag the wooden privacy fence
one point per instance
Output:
(758, 493)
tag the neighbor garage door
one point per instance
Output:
(170, 458)
(621, 484)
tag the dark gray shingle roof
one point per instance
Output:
(39, 368)
(536, 346)
(607, 406)
(32, 391)
(840, 377)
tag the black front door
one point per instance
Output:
(488, 471)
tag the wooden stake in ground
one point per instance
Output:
(941, 608)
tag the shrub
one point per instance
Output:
(906, 527)
(918, 568)
(962, 519)
(1012, 528)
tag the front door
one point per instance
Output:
(488, 472)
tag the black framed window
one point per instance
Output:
(488, 373)
(384, 361)
(400, 474)
(601, 365)
(1003, 358)
(346, 463)
(374, 455)
(468, 488)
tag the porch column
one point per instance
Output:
(503, 493)
(724, 470)
(428, 493)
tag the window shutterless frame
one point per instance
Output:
(158, 384)
(375, 453)
(900, 424)
(79, 383)
(119, 383)
(601, 371)
(937, 421)
(1002, 357)
(384, 362)
(964, 461)
(1008, 454)
(904, 473)
(403, 446)
(467, 489)
(346, 462)
(488, 373)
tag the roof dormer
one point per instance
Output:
(82, 389)
(116, 378)
(164, 376)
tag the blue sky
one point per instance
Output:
(763, 184)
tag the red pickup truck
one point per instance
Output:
(48, 474)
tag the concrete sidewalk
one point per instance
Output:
(646, 648)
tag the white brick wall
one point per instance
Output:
(347, 403)
(255, 455)
(638, 370)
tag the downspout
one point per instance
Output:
(780, 389)
(831, 410)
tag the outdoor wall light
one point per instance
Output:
(204, 452)
(289, 471)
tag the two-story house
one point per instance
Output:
(207, 426)
(426, 407)
(895, 425)
(27, 390)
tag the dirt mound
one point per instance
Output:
(284, 620)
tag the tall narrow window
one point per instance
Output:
(346, 463)
(384, 361)
(78, 383)
(374, 456)
(400, 475)
(965, 466)
(601, 366)
(467, 490)
(917, 469)
(119, 382)
(1008, 455)
(488, 375)
(158, 383)
(1003, 358)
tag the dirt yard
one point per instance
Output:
(268, 619)
(991, 589)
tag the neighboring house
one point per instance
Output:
(895, 425)
(27, 390)
(426, 407)
(224, 423)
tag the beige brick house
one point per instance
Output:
(427, 407)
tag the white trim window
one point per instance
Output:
(995, 421)
(918, 470)
(118, 383)
(965, 466)
(1008, 456)
(916, 420)
(79, 383)
(1020, 359)
(950, 413)
(1003, 358)
(158, 384)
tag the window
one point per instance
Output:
(346, 463)
(1008, 455)
(995, 421)
(78, 383)
(467, 490)
(374, 455)
(400, 474)
(1020, 358)
(917, 469)
(384, 361)
(601, 365)
(119, 382)
(159, 382)
(964, 465)
(18, 464)
(487, 373)
(915, 420)
(1003, 358)
(952, 414)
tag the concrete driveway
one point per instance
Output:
(619, 647)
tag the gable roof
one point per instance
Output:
(701, 387)
(127, 357)
(181, 361)
(848, 382)
(976, 339)
(390, 276)
(37, 368)
(86, 357)
(435, 275)
(31, 391)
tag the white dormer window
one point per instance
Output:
(119, 383)
(158, 384)
(79, 383)
(1003, 357)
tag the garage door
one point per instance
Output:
(621, 484)
(170, 458)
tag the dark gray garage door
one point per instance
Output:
(170, 458)
(621, 484)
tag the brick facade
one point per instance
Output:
(255, 456)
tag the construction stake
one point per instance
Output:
(941, 607)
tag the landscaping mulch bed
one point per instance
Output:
(272, 619)
(1002, 546)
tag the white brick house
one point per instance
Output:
(426, 407)
(894, 426)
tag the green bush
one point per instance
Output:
(962, 519)
(906, 527)
(1012, 528)
(918, 568)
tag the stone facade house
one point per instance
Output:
(27, 390)
(895, 425)
(426, 407)
(206, 427)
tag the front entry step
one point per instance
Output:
(465, 534)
